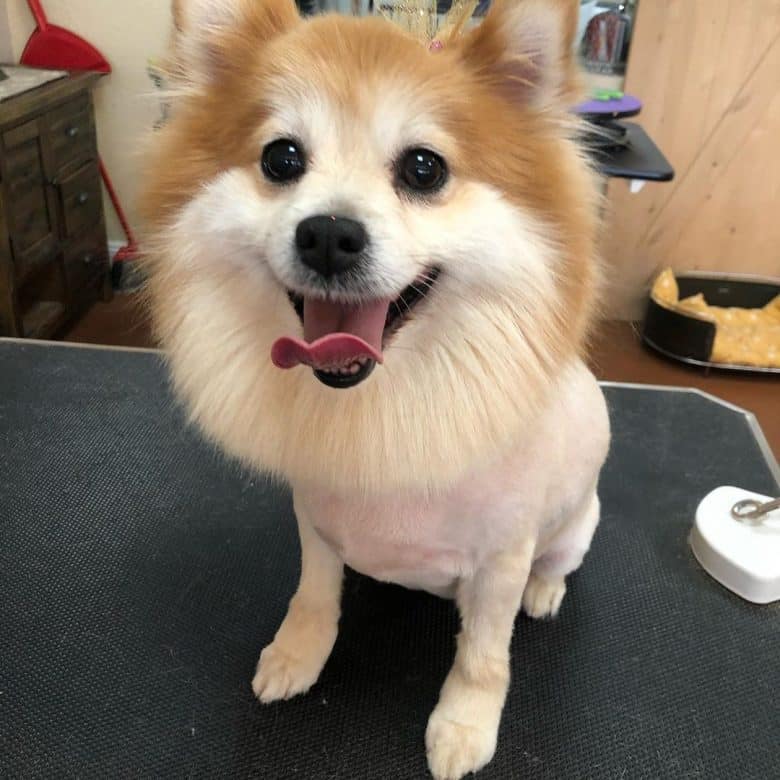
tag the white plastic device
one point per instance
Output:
(742, 554)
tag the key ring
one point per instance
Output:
(750, 510)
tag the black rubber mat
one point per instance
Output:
(141, 574)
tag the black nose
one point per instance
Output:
(330, 245)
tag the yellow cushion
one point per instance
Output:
(742, 336)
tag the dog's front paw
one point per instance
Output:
(454, 748)
(542, 598)
(282, 675)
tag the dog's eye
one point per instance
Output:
(422, 170)
(283, 160)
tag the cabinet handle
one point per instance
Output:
(72, 132)
(82, 198)
(88, 258)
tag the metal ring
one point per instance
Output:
(751, 510)
(745, 509)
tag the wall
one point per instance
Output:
(6, 49)
(708, 72)
(127, 33)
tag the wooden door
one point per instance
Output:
(30, 206)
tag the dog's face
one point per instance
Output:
(330, 195)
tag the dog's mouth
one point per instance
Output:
(342, 343)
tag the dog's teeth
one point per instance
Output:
(347, 370)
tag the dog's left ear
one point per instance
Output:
(206, 32)
(525, 49)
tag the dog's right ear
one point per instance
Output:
(206, 32)
(525, 49)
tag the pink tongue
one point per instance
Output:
(335, 335)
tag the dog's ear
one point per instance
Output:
(206, 32)
(525, 49)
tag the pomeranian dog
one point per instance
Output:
(372, 264)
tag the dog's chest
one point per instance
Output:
(422, 542)
(429, 543)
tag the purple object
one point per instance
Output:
(624, 107)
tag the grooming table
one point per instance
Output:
(141, 573)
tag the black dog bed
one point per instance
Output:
(141, 574)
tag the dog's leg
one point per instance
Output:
(547, 584)
(462, 730)
(292, 663)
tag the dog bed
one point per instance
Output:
(721, 321)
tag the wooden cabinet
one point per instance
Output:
(54, 258)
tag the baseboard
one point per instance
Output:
(113, 248)
(125, 276)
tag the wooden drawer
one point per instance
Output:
(80, 197)
(71, 133)
(86, 266)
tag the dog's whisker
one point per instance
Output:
(422, 293)
(399, 309)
